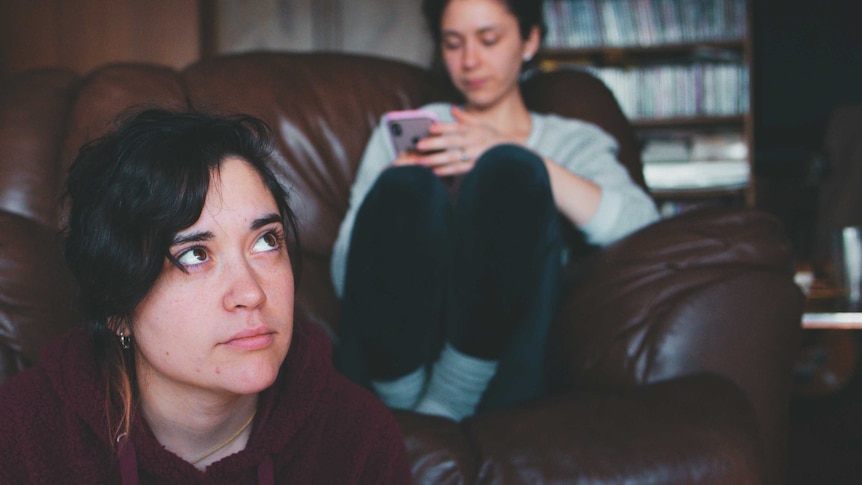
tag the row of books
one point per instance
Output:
(669, 91)
(686, 161)
(595, 23)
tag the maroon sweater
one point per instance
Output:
(312, 426)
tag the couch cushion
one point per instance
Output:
(34, 106)
(36, 302)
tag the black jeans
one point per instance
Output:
(479, 268)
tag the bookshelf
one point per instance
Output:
(681, 71)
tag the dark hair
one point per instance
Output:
(528, 12)
(130, 192)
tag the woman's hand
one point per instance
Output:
(453, 148)
(407, 158)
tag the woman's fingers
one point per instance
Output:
(455, 168)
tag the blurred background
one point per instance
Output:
(807, 60)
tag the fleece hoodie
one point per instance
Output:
(312, 426)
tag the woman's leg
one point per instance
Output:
(397, 270)
(505, 270)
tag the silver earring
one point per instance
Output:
(125, 342)
(527, 57)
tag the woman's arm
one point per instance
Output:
(576, 198)
(583, 151)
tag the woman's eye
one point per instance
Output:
(193, 256)
(489, 41)
(268, 242)
(451, 43)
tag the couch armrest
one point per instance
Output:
(698, 429)
(438, 449)
(36, 297)
(708, 291)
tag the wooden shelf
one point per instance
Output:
(714, 51)
(694, 194)
(736, 121)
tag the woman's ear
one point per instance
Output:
(532, 42)
(118, 325)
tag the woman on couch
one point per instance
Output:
(194, 371)
(450, 255)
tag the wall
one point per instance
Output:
(83, 34)
(807, 60)
(386, 28)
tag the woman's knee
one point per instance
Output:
(404, 203)
(509, 174)
(405, 189)
(512, 163)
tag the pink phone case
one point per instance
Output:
(405, 128)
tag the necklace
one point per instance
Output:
(227, 441)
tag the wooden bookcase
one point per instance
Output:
(681, 70)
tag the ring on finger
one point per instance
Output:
(464, 156)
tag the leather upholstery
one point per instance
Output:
(673, 348)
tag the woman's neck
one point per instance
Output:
(508, 116)
(193, 426)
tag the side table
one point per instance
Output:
(829, 308)
(829, 356)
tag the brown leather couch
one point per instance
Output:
(672, 351)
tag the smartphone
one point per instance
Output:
(405, 128)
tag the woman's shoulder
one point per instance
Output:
(554, 123)
(554, 132)
(358, 405)
(28, 409)
(24, 393)
(65, 370)
(42, 439)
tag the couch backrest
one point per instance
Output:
(322, 108)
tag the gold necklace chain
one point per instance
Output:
(227, 441)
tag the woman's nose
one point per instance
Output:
(244, 288)
(470, 55)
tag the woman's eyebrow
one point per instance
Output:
(192, 237)
(480, 31)
(266, 220)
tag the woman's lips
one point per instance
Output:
(472, 84)
(255, 339)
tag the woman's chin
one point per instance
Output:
(251, 379)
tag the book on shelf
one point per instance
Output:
(671, 91)
(696, 161)
(621, 23)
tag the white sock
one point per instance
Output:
(457, 383)
(402, 393)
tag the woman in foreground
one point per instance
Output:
(194, 370)
(448, 259)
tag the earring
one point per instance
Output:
(527, 57)
(125, 342)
